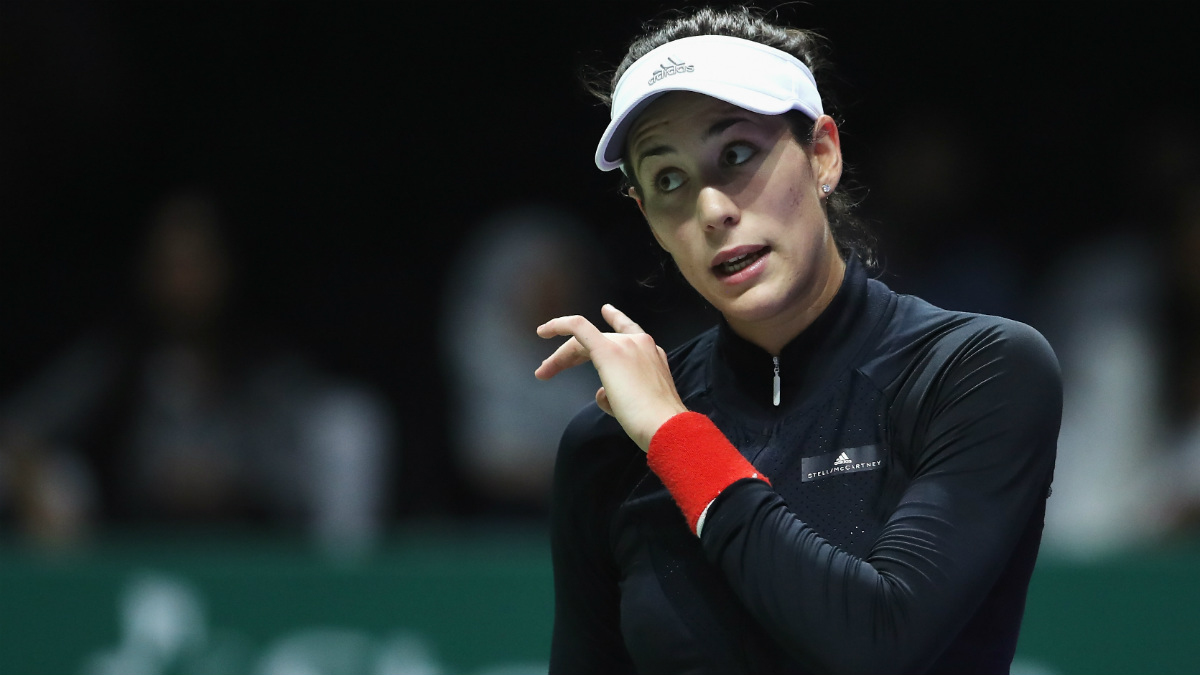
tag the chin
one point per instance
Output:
(753, 306)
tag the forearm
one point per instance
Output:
(893, 608)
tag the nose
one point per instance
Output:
(715, 208)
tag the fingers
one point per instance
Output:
(568, 355)
(637, 389)
(585, 337)
(619, 321)
(571, 353)
(577, 326)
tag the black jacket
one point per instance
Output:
(910, 459)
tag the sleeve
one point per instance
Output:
(587, 636)
(985, 420)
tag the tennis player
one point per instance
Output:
(837, 477)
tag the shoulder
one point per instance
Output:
(968, 342)
(973, 376)
(593, 455)
(989, 362)
(919, 336)
(590, 427)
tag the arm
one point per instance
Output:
(985, 433)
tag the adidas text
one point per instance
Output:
(669, 70)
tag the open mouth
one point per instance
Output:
(741, 262)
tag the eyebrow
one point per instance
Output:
(716, 129)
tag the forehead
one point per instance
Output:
(680, 111)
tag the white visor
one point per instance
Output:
(744, 73)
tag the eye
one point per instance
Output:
(668, 180)
(736, 154)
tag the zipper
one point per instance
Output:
(775, 383)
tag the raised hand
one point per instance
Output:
(637, 386)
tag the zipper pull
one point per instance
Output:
(775, 395)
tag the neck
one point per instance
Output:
(776, 332)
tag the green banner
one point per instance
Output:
(474, 603)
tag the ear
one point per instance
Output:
(826, 151)
(633, 194)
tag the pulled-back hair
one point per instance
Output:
(850, 233)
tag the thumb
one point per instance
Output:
(602, 401)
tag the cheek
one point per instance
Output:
(802, 193)
(784, 189)
(689, 253)
(666, 229)
(802, 201)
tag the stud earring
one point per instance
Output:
(825, 188)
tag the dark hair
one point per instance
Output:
(850, 233)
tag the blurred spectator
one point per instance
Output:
(520, 268)
(1122, 308)
(1100, 310)
(186, 413)
(1181, 511)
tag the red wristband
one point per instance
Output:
(696, 462)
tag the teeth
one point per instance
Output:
(735, 266)
(739, 263)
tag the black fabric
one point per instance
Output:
(914, 556)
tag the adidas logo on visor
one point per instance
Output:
(666, 71)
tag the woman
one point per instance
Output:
(862, 476)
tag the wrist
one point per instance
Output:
(663, 417)
(696, 462)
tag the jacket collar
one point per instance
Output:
(742, 373)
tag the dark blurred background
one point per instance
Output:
(360, 160)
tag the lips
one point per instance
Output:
(734, 260)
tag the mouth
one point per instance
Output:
(740, 261)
